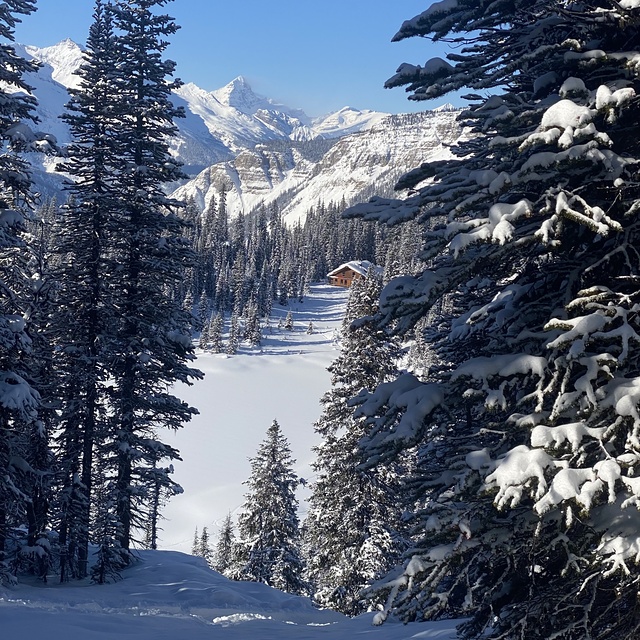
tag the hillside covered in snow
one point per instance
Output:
(168, 595)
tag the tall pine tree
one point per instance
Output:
(225, 557)
(268, 526)
(18, 398)
(352, 529)
(124, 244)
(152, 347)
(85, 264)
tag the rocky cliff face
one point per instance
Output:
(259, 150)
(354, 167)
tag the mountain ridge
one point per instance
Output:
(234, 113)
(259, 150)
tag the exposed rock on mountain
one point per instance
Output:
(354, 167)
(262, 151)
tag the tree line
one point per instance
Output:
(509, 432)
(244, 265)
(353, 532)
(93, 337)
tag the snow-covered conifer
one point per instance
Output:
(195, 545)
(216, 326)
(205, 334)
(288, 321)
(153, 343)
(526, 427)
(225, 557)
(252, 330)
(204, 547)
(352, 528)
(268, 525)
(234, 335)
(18, 399)
(84, 321)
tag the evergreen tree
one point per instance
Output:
(225, 554)
(160, 487)
(234, 335)
(41, 362)
(153, 346)
(216, 326)
(84, 318)
(288, 321)
(351, 531)
(204, 547)
(204, 308)
(195, 546)
(18, 398)
(252, 331)
(268, 525)
(128, 252)
(205, 338)
(525, 429)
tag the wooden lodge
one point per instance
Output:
(345, 274)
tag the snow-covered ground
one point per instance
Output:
(168, 595)
(172, 596)
(238, 399)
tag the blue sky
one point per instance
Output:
(318, 56)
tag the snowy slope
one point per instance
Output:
(218, 124)
(169, 595)
(261, 150)
(355, 167)
(60, 61)
(345, 121)
(285, 379)
(173, 596)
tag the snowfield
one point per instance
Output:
(238, 399)
(169, 595)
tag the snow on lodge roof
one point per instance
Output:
(361, 267)
(344, 275)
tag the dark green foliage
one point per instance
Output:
(18, 398)
(84, 320)
(121, 250)
(523, 492)
(352, 529)
(268, 527)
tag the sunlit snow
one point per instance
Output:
(238, 399)
(169, 595)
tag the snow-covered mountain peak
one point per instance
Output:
(347, 120)
(64, 59)
(192, 92)
(239, 95)
(447, 106)
(218, 140)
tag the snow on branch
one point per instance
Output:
(517, 469)
(496, 227)
(412, 397)
(500, 367)
(385, 210)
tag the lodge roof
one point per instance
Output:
(361, 267)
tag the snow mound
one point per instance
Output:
(167, 595)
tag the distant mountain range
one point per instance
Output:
(261, 150)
